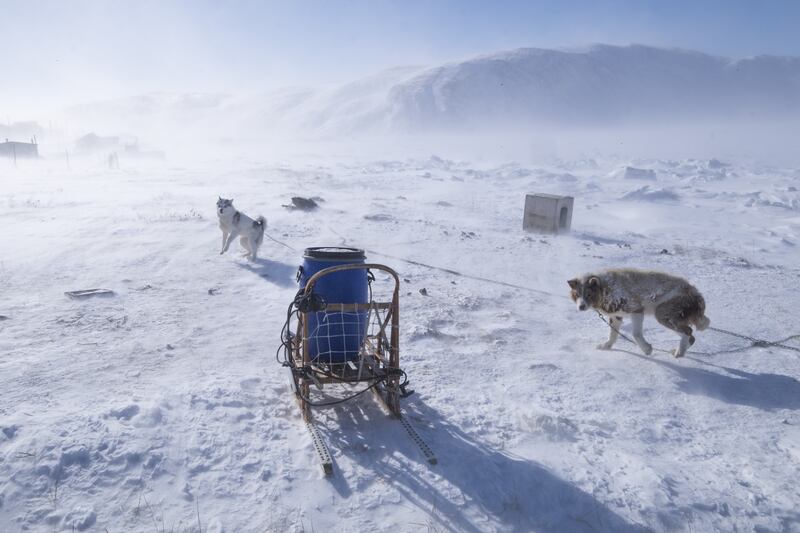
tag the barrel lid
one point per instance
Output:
(334, 253)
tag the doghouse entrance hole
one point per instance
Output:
(562, 219)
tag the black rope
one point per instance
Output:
(309, 401)
(312, 403)
(310, 303)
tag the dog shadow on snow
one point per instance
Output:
(275, 272)
(761, 390)
(499, 489)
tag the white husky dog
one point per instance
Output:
(234, 223)
(626, 292)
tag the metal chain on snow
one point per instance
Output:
(754, 342)
(760, 343)
(632, 341)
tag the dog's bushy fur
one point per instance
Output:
(234, 223)
(620, 293)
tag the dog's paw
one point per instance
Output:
(677, 353)
(647, 349)
(604, 346)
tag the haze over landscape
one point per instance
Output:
(149, 398)
(317, 70)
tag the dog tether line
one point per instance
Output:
(754, 342)
(268, 236)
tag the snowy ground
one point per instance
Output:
(162, 408)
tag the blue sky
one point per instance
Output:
(72, 51)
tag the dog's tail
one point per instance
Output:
(261, 224)
(702, 322)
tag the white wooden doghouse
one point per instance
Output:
(547, 213)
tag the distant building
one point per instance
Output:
(92, 142)
(132, 150)
(14, 149)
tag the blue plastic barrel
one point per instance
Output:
(335, 337)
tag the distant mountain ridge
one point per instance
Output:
(523, 88)
(599, 85)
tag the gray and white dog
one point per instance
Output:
(234, 223)
(625, 292)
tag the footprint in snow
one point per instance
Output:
(9, 431)
(249, 384)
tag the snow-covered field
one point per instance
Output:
(162, 408)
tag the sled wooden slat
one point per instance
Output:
(349, 308)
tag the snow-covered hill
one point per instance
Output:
(608, 85)
(519, 90)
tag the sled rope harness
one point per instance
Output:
(312, 303)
